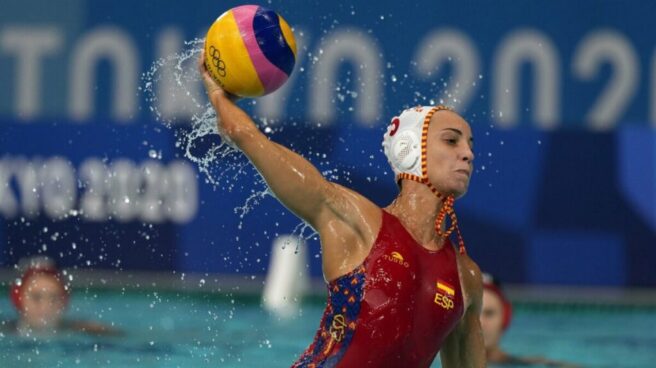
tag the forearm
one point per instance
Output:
(468, 352)
(94, 328)
(475, 356)
(233, 123)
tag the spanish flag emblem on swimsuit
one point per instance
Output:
(446, 288)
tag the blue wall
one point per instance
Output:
(565, 186)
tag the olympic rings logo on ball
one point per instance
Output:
(220, 66)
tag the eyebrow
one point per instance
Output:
(457, 131)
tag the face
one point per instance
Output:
(43, 302)
(449, 153)
(491, 319)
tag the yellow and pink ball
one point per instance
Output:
(250, 51)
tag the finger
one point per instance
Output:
(202, 69)
(201, 62)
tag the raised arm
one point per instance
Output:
(295, 182)
(464, 347)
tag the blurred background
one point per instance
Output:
(561, 97)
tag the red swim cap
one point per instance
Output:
(33, 267)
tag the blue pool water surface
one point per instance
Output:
(204, 330)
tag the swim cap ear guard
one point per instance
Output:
(402, 142)
(405, 145)
(32, 267)
(493, 285)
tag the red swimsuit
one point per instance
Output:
(395, 310)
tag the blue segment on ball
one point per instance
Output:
(268, 34)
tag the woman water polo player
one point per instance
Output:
(40, 296)
(495, 320)
(399, 290)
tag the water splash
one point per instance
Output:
(177, 76)
(221, 163)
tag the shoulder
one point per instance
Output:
(339, 192)
(356, 210)
(348, 227)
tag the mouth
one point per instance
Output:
(464, 172)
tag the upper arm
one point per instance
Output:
(465, 347)
(343, 218)
(294, 181)
(300, 187)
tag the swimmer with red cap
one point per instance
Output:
(495, 320)
(399, 290)
(41, 295)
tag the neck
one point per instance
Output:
(417, 208)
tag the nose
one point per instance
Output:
(468, 154)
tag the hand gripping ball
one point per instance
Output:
(250, 51)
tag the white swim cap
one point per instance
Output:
(404, 143)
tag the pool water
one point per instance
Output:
(206, 330)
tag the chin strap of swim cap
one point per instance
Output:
(447, 203)
(447, 209)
